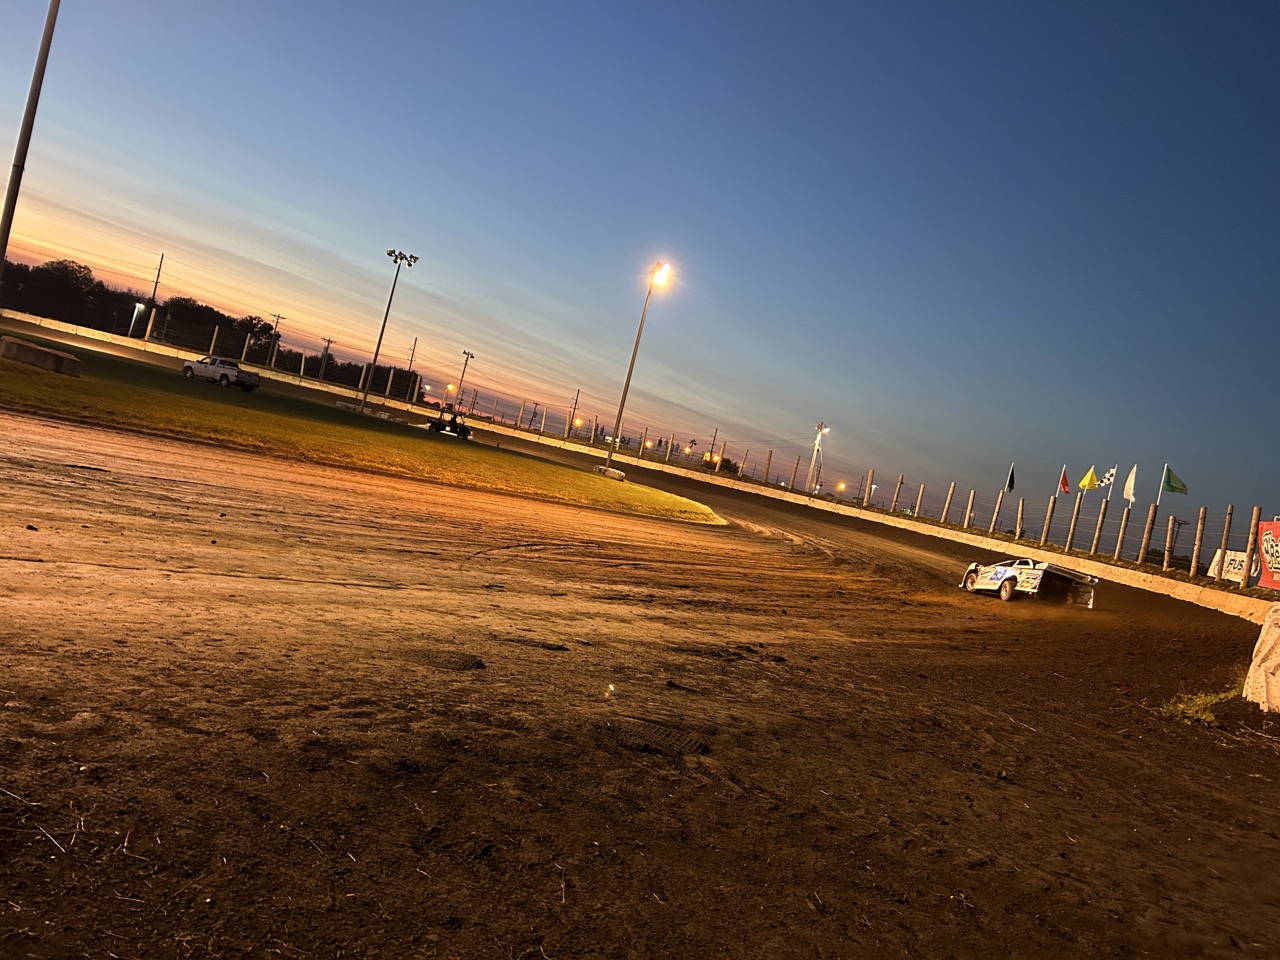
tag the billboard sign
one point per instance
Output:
(1269, 554)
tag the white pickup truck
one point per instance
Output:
(226, 372)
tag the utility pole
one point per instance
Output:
(275, 337)
(467, 357)
(412, 351)
(324, 358)
(151, 314)
(572, 413)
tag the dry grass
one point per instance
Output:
(1199, 707)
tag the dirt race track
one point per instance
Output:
(263, 709)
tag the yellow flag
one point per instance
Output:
(1090, 481)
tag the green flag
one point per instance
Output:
(1171, 483)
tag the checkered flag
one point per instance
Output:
(1107, 478)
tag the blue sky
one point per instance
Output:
(962, 234)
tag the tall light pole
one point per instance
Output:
(24, 134)
(823, 430)
(401, 259)
(467, 357)
(658, 276)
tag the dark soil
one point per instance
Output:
(264, 709)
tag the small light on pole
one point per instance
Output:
(401, 259)
(658, 277)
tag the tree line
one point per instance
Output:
(68, 291)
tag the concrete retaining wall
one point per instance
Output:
(1248, 608)
(29, 353)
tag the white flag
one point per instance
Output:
(1129, 484)
(1107, 478)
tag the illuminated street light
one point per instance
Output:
(138, 307)
(401, 259)
(658, 277)
(811, 480)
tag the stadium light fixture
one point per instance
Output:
(401, 259)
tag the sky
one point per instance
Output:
(961, 234)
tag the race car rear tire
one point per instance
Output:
(971, 582)
(1008, 589)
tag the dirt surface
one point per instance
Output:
(259, 709)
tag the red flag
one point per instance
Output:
(1063, 485)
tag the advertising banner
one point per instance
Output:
(1233, 566)
(1269, 554)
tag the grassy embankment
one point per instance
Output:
(128, 395)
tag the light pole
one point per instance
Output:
(810, 480)
(24, 134)
(401, 259)
(467, 357)
(137, 310)
(658, 276)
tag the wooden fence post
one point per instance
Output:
(1222, 554)
(1124, 524)
(893, 507)
(768, 459)
(1018, 529)
(1075, 518)
(1250, 549)
(995, 514)
(1097, 531)
(1048, 519)
(919, 499)
(1146, 534)
(213, 342)
(946, 507)
(871, 482)
(1168, 542)
(1195, 552)
(968, 511)
(796, 470)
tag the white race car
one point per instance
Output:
(1008, 578)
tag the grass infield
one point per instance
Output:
(126, 394)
